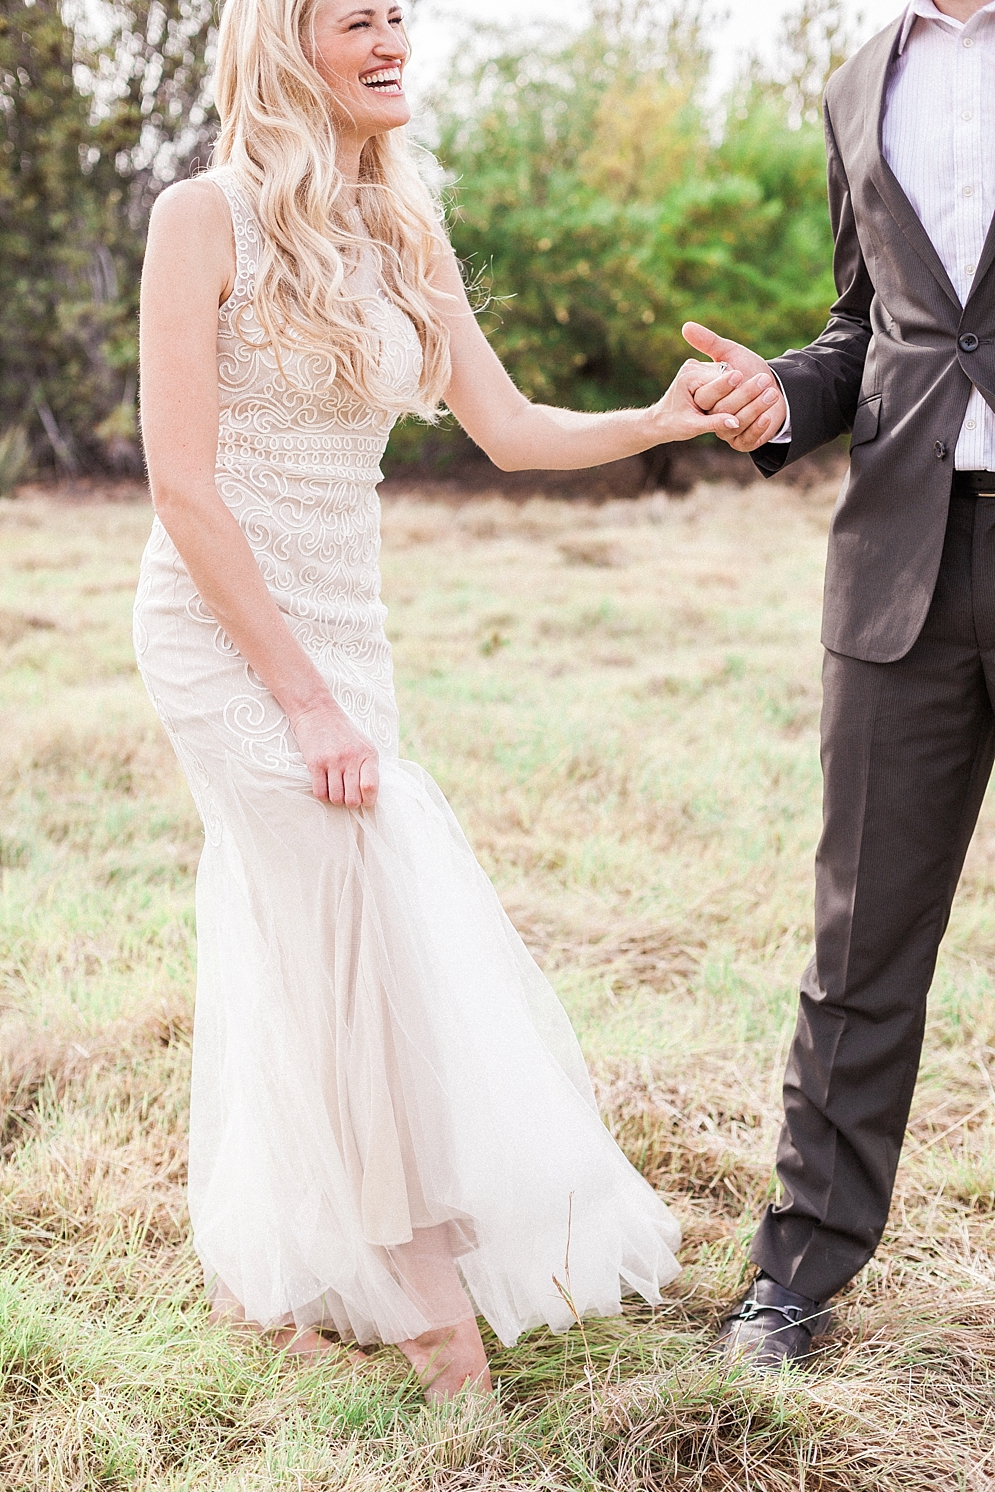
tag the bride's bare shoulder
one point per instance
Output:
(191, 225)
(195, 206)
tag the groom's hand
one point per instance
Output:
(757, 401)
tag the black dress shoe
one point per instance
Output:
(771, 1325)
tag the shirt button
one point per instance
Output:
(970, 425)
(967, 114)
(969, 191)
(969, 269)
(968, 41)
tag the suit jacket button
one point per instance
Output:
(939, 450)
(967, 342)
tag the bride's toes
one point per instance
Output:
(454, 1378)
(449, 1361)
(298, 1343)
(294, 1341)
(312, 1344)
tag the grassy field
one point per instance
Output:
(621, 703)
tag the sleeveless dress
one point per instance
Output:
(384, 1084)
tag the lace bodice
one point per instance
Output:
(287, 418)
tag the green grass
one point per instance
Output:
(621, 703)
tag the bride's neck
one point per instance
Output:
(348, 150)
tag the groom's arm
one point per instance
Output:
(822, 382)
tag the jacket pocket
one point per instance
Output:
(866, 420)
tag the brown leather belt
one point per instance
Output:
(974, 484)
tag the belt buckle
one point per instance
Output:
(977, 491)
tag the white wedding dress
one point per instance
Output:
(383, 1080)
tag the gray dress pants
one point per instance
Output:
(907, 751)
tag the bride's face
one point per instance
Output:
(360, 50)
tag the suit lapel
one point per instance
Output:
(875, 82)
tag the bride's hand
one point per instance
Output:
(677, 417)
(344, 765)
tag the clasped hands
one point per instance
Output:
(755, 398)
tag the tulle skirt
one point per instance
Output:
(390, 1112)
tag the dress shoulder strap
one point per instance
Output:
(247, 237)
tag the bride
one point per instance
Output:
(392, 1130)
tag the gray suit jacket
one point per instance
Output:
(895, 366)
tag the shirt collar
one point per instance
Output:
(928, 11)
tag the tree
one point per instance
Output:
(818, 38)
(102, 106)
(144, 69)
(45, 291)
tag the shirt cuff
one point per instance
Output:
(783, 436)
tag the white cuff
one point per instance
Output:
(783, 436)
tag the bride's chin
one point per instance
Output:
(388, 113)
(397, 118)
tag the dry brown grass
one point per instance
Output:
(621, 701)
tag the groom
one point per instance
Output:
(907, 365)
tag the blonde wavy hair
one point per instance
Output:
(278, 136)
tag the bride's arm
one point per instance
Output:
(189, 271)
(519, 436)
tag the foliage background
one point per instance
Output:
(595, 199)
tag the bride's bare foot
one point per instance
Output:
(292, 1340)
(311, 1344)
(449, 1360)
